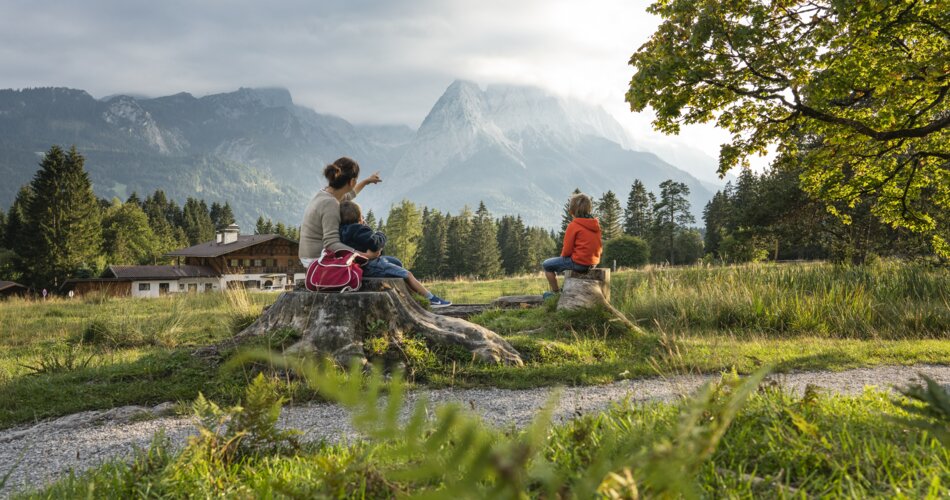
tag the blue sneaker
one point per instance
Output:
(548, 295)
(436, 302)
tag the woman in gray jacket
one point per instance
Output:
(321, 221)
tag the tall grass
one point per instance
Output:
(890, 300)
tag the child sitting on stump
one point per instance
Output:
(356, 234)
(582, 243)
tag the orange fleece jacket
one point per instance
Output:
(582, 242)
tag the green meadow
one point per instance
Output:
(732, 439)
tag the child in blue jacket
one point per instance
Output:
(355, 234)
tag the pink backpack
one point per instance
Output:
(335, 272)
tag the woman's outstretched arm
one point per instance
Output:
(373, 179)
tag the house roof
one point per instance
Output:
(213, 249)
(10, 286)
(158, 272)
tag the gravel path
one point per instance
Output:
(46, 451)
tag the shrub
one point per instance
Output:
(627, 251)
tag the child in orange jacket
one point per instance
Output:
(582, 243)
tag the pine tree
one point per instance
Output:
(512, 241)
(403, 232)
(541, 245)
(610, 214)
(371, 220)
(671, 217)
(196, 221)
(716, 217)
(134, 199)
(431, 257)
(64, 220)
(15, 232)
(638, 216)
(226, 218)
(483, 245)
(457, 235)
(261, 226)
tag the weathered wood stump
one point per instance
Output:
(589, 290)
(518, 301)
(337, 324)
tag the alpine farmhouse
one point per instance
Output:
(260, 262)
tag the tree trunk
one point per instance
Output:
(589, 290)
(337, 324)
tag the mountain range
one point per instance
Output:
(519, 149)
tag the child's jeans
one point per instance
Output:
(559, 264)
(385, 267)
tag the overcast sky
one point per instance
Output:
(366, 61)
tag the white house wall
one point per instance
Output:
(174, 286)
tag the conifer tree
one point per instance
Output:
(432, 254)
(64, 219)
(716, 217)
(638, 216)
(611, 216)
(541, 245)
(261, 226)
(371, 220)
(671, 217)
(483, 245)
(196, 221)
(458, 233)
(403, 232)
(226, 218)
(14, 233)
(221, 215)
(134, 199)
(512, 242)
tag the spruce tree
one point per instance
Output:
(458, 234)
(671, 217)
(261, 226)
(226, 217)
(431, 257)
(196, 222)
(371, 220)
(64, 219)
(512, 242)
(134, 199)
(716, 216)
(638, 216)
(15, 232)
(483, 245)
(611, 215)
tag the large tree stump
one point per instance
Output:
(589, 290)
(337, 324)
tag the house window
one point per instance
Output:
(144, 287)
(247, 262)
(258, 262)
(273, 263)
(207, 287)
(181, 286)
(233, 263)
